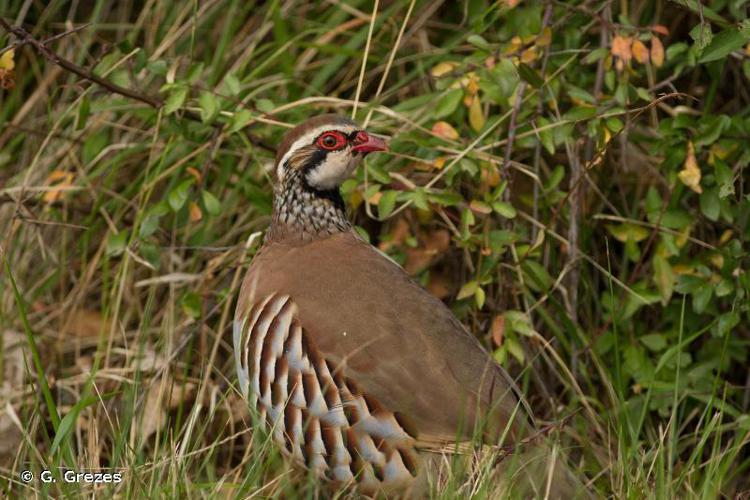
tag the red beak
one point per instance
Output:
(366, 143)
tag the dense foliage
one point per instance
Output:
(571, 177)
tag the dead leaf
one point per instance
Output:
(621, 49)
(13, 373)
(657, 52)
(154, 416)
(640, 52)
(660, 28)
(433, 244)
(529, 55)
(84, 323)
(480, 207)
(182, 393)
(195, 173)
(490, 176)
(445, 130)
(375, 198)
(443, 68)
(498, 330)
(58, 181)
(439, 285)
(438, 240)
(399, 234)
(195, 212)
(690, 175)
(512, 3)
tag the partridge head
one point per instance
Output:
(311, 163)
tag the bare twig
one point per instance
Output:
(153, 101)
(44, 51)
(47, 40)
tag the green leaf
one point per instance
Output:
(387, 203)
(467, 290)
(479, 297)
(701, 298)
(478, 41)
(537, 277)
(504, 209)
(191, 304)
(722, 45)
(175, 100)
(116, 243)
(68, 421)
(580, 113)
(614, 124)
(702, 35)
(232, 84)
(654, 341)
(83, 112)
(179, 194)
(265, 105)
(727, 322)
(149, 225)
(240, 119)
(530, 75)
(209, 105)
(709, 203)
(213, 206)
(448, 103)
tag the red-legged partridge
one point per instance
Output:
(358, 371)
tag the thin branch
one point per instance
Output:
(153, 101)
(47, 40)
(44, 51)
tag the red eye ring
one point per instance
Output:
(331, 140)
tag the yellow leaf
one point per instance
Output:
(657, 52)
(195, 212)
(58, 181)
(690, 175)
(443, 68)
(529, 55)
(472, 86)
(445, 130)
(544, 38)
(439, 162)
(640, 52)
(6, 60)
(476, 116)
(725, 236)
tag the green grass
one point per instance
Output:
(619, 299)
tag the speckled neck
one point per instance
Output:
(302, 213)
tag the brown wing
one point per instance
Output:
(400, 344)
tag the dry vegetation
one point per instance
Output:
(569, 176)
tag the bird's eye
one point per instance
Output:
(331, 140)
